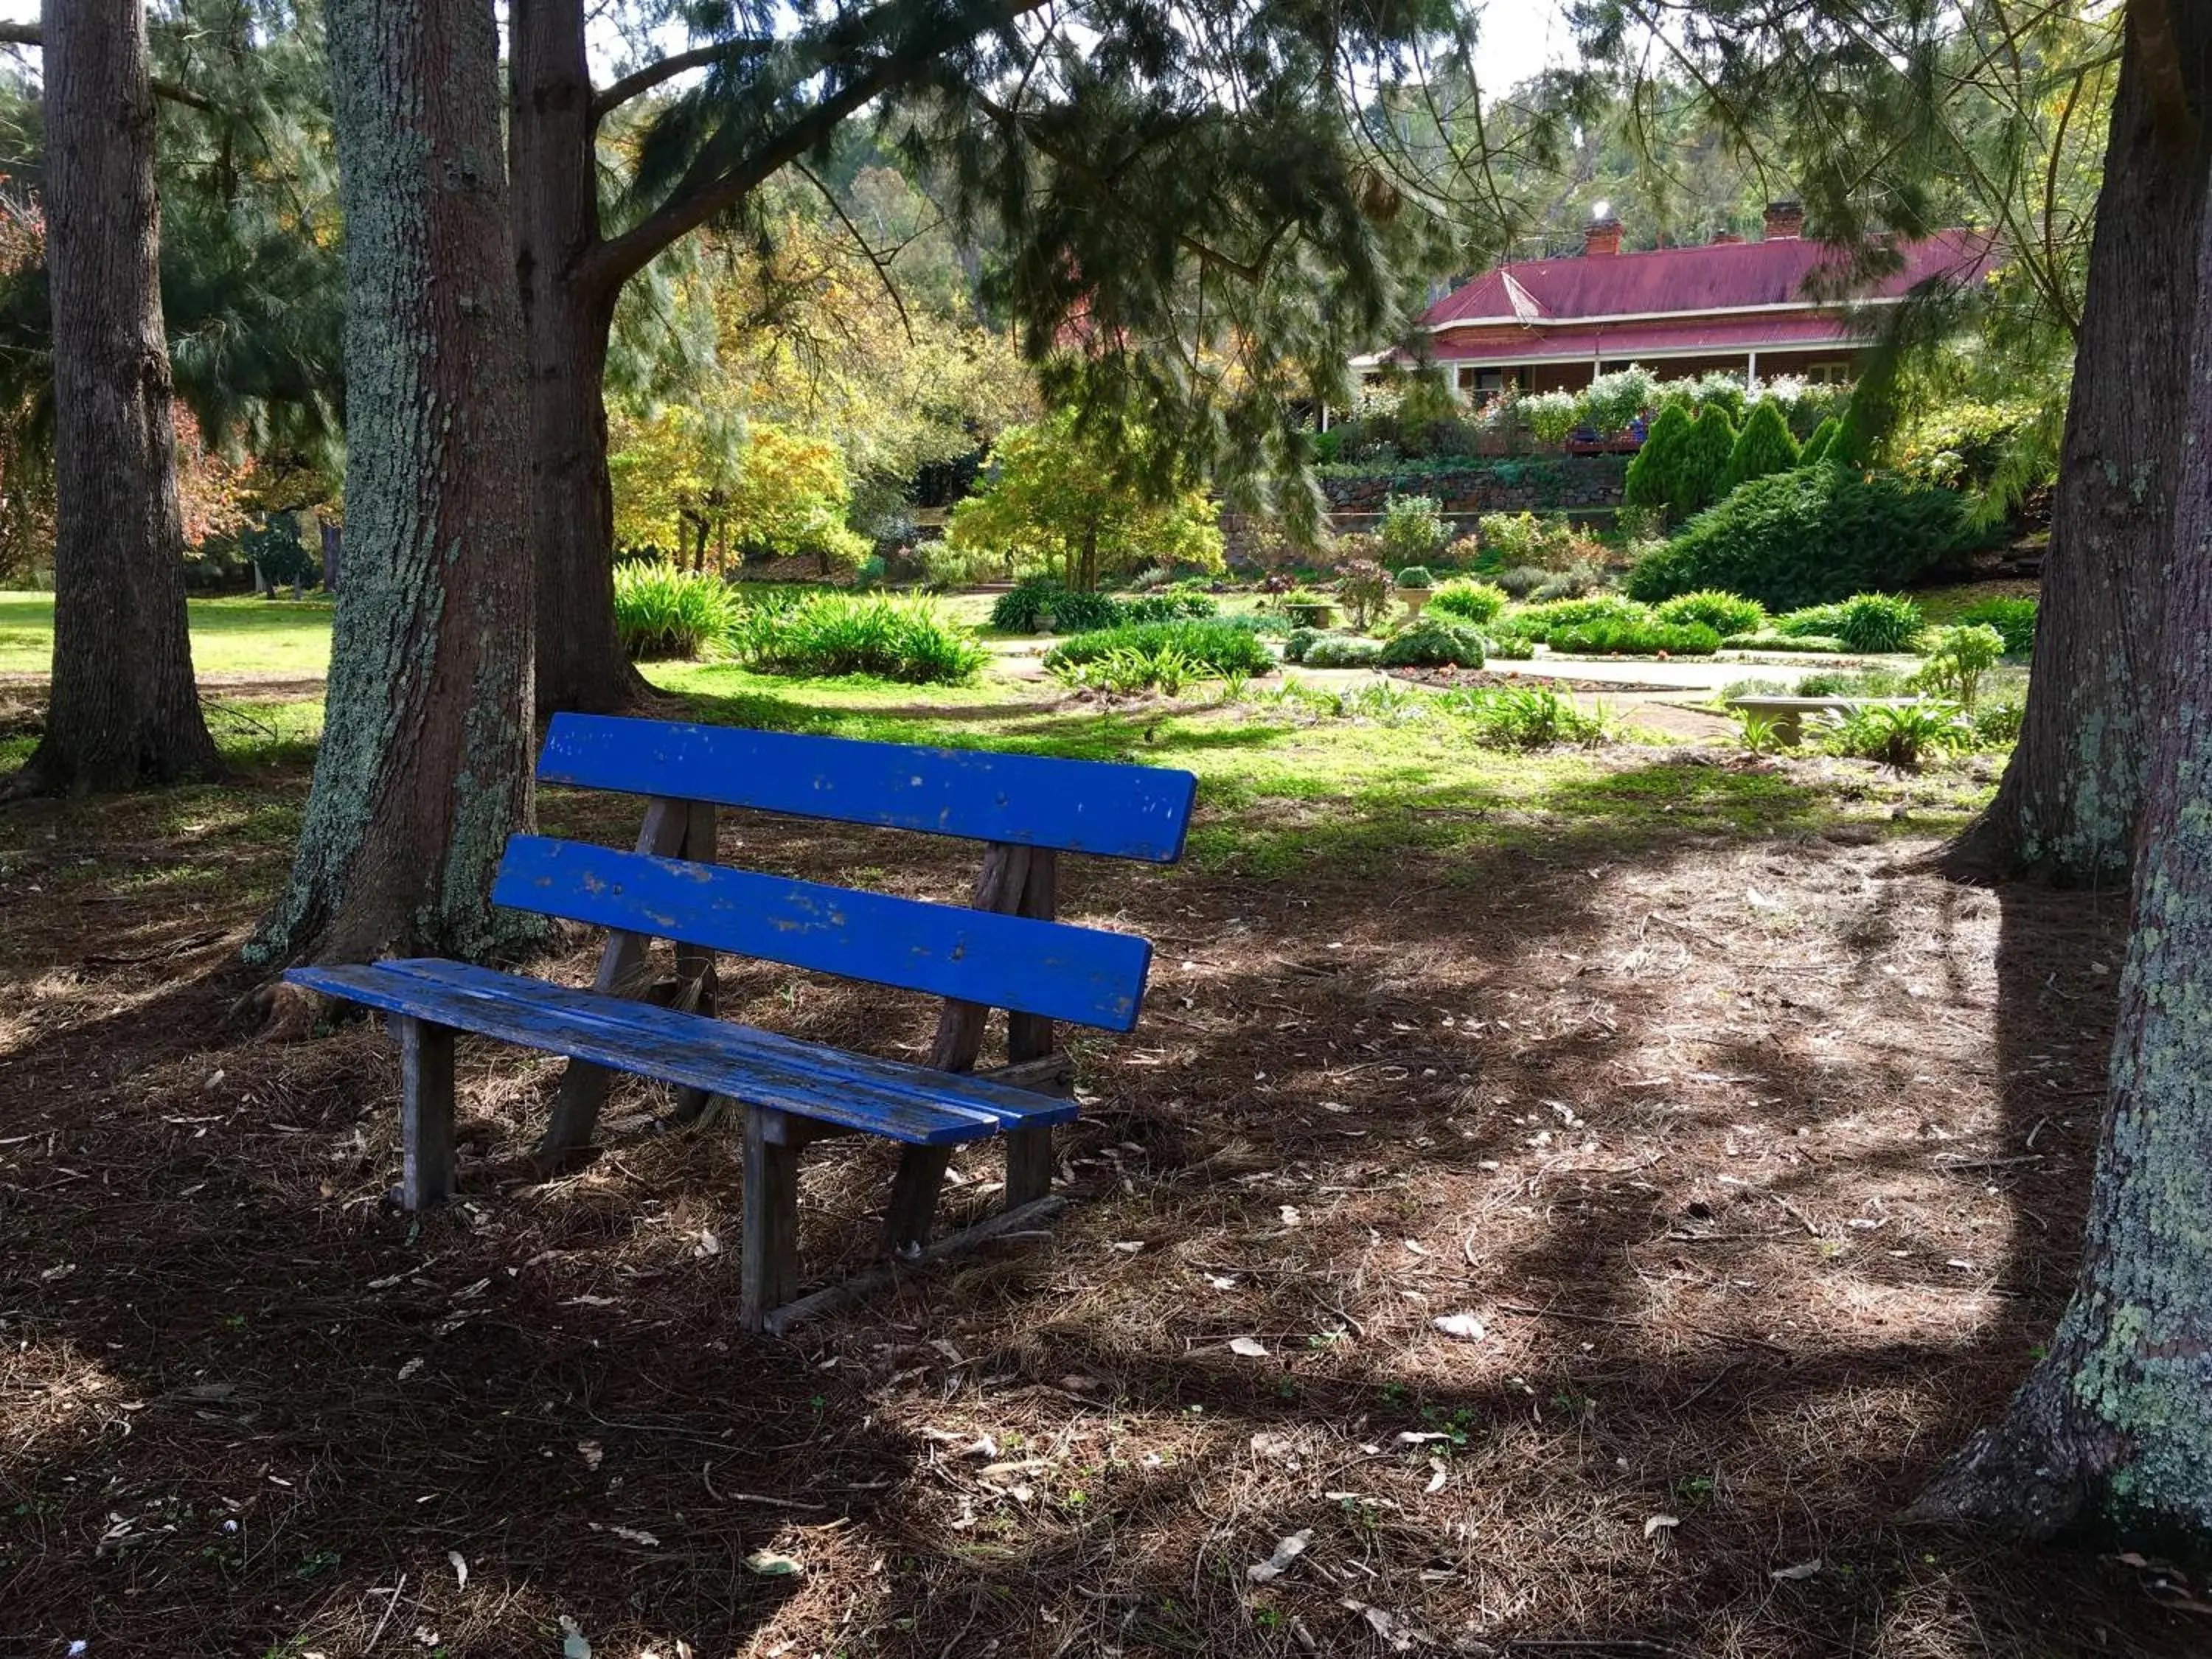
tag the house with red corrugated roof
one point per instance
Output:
(1760, 309)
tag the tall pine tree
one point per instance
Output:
(124, 708)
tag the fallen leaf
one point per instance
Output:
(1250, 1348)
(410, 1368)
(1464, 1326)
(1802, 1570)
(1023, 1466)
(769, 1563)
(1290, 1214)
(1287, 1550)
(460, 1566)
(1127, 1246)
(1268, 1444)
(1436, 1475)
(572, 1644)
(631, 1534)
(1221, 1281)
(591, 1453)
(426, 1635)
(1655, 1522)
(710, 1242)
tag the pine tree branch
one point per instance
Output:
(706, 191)
(27, 34)
(607, 99)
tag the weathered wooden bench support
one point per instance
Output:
(1007, 949)
(426, 1112)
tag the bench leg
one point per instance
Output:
(426, 1111)
(771, 1267)
(1029, 1165)
(914, 1198)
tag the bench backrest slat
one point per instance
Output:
(1078, 806)
(1081, 975)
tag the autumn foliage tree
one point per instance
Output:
(1081, 505)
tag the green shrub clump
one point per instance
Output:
(835, 633)
(1022, 607)
(1213, 646)
(1959, 658)
(1724, 613)
(1342, 651)
(661, 611)
(1626, 637)
(1434, 642)
(1539, 622)
(1174, 605)
(1298, 642)
(1899, 735)
(1473, 602)
(1412, 531)
(1810, 536)
(1522, 717)
(1864, 622)
(1416, 578)
(2013, 619)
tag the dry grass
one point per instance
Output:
(1758, 1162)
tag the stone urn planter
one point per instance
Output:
(1414, 585)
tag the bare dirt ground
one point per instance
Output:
(1753, 1163)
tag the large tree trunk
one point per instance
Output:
(425, 767)
(2072, 794)
(124, 710)
(567, 308)
(2114, 1428)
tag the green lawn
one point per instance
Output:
(229, 635)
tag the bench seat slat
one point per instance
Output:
(1082, 974)
(1079, 806)
(907, 1103)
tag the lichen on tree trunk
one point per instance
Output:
(123, 709)
(2072, 790)
(2113, 1430)
(424, 765)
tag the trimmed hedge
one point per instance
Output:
(1626, 637)
(1810, 536)
(1769, 639)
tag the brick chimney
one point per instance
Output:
(1601, 236)
(1785, 220)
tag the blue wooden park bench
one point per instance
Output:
(1008, 951)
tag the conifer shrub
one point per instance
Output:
(1822, 440)
(1810, 536)
(1763, 446)
(1651, 473)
